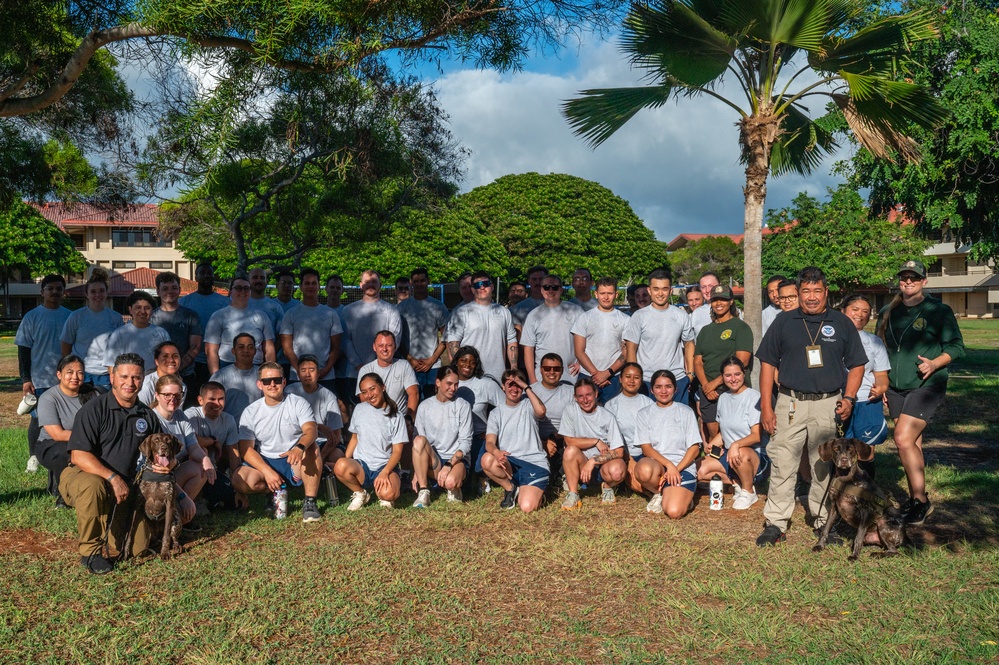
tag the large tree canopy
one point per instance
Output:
(717, 254)
(957, 183)
(565, 222)
(852, 247)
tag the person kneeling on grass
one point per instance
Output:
(742, 458)
(277, 443)
(593, 443)
(625, 407)
(378, 436)
(514, 458)
(443, 439)
(671, 442)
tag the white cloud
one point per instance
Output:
(678, 166)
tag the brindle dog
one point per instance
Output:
(855, 497)
(157, 496)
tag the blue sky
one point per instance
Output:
(677, 166)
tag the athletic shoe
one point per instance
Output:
(510, 498)
(801, 490)
(484, 487)
(422, 498)
(454, 496)
(60, 503)
(572, 501)
(193, 527)
(310, 512)
(916, 511)
(32, 466)
(96, 564)
(608, 496)
(358, 500)
(744, 499)
(201, 508)
(386, 504)
(832, 539)
(655, 504)
(771, 536)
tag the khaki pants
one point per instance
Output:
(93, 500)
(813, 424)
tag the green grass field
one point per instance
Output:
(472, 583)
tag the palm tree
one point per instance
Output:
(689, 46)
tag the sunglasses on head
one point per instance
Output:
(271, 380)
(550, 287)
(482, 284)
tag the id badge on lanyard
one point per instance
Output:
(814, 355)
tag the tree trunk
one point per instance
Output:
(757, 135)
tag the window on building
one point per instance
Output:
(161, 265)
(122, 265)
(79, 240)
(137, 238)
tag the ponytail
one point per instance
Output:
(883, 323)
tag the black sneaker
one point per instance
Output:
(915, 511)
(310, 512)
(60, 504)
(833, 539)
(771, 536)
(96, 564)
(510, 498)
(193, 527)
(801, 489)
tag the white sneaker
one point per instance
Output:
(358, 500)
(454, 496)
(32, 465)
(655, 504)
(422, 499)
(484, 487)
(745, 500)
(386, 504)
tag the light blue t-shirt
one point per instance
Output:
(88, 332)
(228, 322)
(311, 329)
(40, 330)
(141, 341)
(205, 306)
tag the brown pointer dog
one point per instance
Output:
(859, 501)
(158, 492)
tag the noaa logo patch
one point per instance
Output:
(726, 334)
(919, 324)
(141, 425)
(828, 331)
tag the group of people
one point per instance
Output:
(270, 393)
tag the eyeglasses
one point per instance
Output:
(271, 380)
(787, 298)
(482, 284)
(550, 287)
(240, 288)
(170, 396)
(909, 277)
(551, 368)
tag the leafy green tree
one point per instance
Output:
(853, 248)
(765, 46)
(565, 222)
(716, 254)
(31, 246)
(956, 186)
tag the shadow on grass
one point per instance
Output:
(25, 494)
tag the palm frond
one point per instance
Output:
(599, 113)
(673, 41)
(876, 47)
(802, 144)
(799, 23)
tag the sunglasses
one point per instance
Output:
(551, 368)
(271, 380)
(240, 288)
(910, 277)
(483, 284)
(550, 287)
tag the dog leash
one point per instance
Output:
(832, 465)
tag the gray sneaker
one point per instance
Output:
(608, 496)
(655, 504)
(32, 466)
(422, 498)
(454, 496)
(310, 512)
(572, 501)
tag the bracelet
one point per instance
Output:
(447, 463)
(300, 447)
(852, 400)
(108, 479)
(181, 496)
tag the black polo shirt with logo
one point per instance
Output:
(112, 432)
(784, 347)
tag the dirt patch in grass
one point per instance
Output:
(36, 543)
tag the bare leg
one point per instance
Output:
(909, 440)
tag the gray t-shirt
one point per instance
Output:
(737, 414)
(546, 329)
(270, 307)
(422, 319)
(40, 330)
(376, 434)
(603, 332)
(226, 323)
(877, 361)
(324, 407)
(56, 408)
(397, 378)
(585, 305)
(311, 329)
(88, 332)
(520, 311)
(516, 431)
(275, 428)
(205, 306)
(670, 430)
(447, 426)
(660, 334)
(147, 393)
(129, 339)
(180, 426)
(364, 320)
(769, 314)
(489, 329)
(180, 324)
(556, 401)
(482, 395)
(600, 424)
(240, 388)
(626, 409)
(291, 304)
(224, 428)
(700, 317)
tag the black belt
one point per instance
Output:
(806, 397)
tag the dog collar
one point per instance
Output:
(150, 476)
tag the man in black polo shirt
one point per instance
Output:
(819, 360)
(103, 449)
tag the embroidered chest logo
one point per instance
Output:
(141, 425)
(726, 334)
(919, 324)
(828, 331)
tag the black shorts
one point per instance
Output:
(918, 403)
(709, 409)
